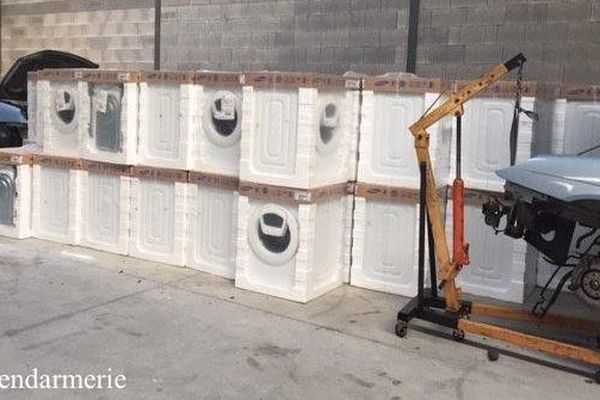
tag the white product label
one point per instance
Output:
(62, 104)
(227, 110)
(100, 100)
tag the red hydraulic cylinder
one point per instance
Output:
(460, 248)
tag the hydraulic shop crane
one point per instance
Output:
(451, 311)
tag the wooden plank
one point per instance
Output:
(549, 346)
(559, 321)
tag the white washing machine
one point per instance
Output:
(106, 207)
(293, 251)
(486, 125)
(212, 215)
(63, 115)
(168, 109)
(112, 133)
(501, 267)
(56, 206)
(219, 130)
(298, 133)
(159, 215)
(15, 198)
(387, 147)
(385, 246)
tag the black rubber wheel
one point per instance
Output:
(493, 355)
(597, 377)
(401, 328)
(458, 335)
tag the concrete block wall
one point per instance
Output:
(462, 38)
(331, 36)
(457, 39)
(113, 33)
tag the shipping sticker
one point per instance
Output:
(226, 111)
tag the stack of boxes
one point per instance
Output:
(385, 235)
(289, 183)
(296, 154)
(213, 181)
(500, 267)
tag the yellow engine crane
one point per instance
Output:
(451, 311)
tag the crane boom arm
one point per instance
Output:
(452, 106)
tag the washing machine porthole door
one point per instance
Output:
(222, 118)
(273, 234)
(7, 197)
(329, 122)
(107, 113)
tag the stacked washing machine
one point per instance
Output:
(86, 130)
(501, 267)
(296, 160)
(214, 173)
(385, 234)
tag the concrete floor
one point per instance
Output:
(177, 333)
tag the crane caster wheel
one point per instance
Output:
(458, 335)
(401, 328)
(493, 355)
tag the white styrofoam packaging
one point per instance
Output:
(15, 193)
(297, 130)
(576, 120)
(293, 251)
(390, 105)
(385, 240)
(486, 125)
(56, 205)
(218, 123)
(158, 215)
(168, 109)
(501, 267)
(212, 215)
(105, 206)
(112, 132)
(63, 112)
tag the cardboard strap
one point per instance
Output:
(391, 193)
(164, 174)
(410, 85)
(214, 180)
(57, 162)
(106, 168)
(292, 195)
(166, 76)
(217, 78)
(10, 158)
(580, 92)
(294, 80)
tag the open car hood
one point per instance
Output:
(14, 83)
(566, 178)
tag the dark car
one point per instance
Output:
(13, 90)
